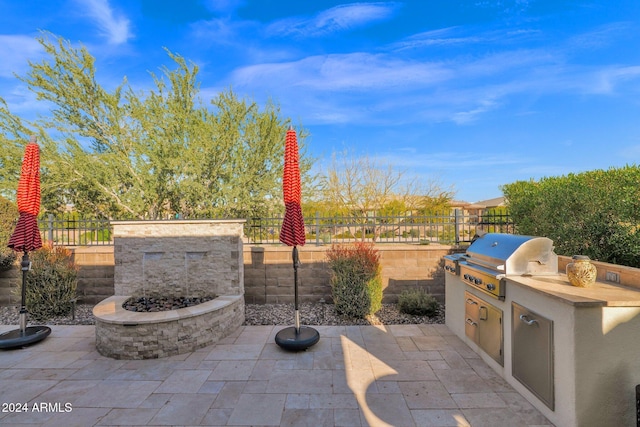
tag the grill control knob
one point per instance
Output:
(491, 286)
(477, 281)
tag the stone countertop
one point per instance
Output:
(599, 294)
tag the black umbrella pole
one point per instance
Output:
(23, 305)
(296, 338)
(296, 262)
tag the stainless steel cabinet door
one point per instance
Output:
(532, 352)
(490, 321)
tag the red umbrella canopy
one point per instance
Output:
(292, 232)
(26, 236)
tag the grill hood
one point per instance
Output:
(512, 254)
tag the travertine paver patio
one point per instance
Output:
(405, 375)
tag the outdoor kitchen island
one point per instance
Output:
(578, 360)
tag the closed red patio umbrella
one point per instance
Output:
(26, 238)
(292, 234)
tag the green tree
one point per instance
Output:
(8, 218)
(128, 154)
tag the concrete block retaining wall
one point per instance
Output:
(268, 273)
(95, 276)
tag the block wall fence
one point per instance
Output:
(268, 273)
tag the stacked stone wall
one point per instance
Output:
(121, 334)
(178, 258)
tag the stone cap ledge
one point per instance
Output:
(111, 311)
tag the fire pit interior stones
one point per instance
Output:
(155, 304)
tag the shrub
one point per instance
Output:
(51, 283)
(594, 213)
(8, 217)
(7, 259)
(418, 303)
(95, 236)
(356, 285)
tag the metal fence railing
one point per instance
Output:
(71, 230)
(448, 228)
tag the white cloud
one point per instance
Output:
(465, 117)
(334, 20)
(600, 37)
(398, 85)
(16, 51)
(356, 71)
(223, 31)
(24, 102)
(447, 160)
(115, 27)
(440, 37)
(606, 81)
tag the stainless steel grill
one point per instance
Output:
(494, 256)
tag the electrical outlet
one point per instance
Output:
(612, 277)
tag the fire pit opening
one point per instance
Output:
(179, 286)
(160, 303)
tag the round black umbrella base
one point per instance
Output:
(291, 340)
(16, 339)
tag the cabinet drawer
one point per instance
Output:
(483, 325)
(471, 314)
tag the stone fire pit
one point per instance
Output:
(174, 259)
(124, 334)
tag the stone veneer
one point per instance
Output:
(123, 334)
(190, 258)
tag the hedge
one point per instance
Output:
(595, 213)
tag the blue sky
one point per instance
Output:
(474, 94)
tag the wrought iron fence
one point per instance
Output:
(447, 228)
(72, 230)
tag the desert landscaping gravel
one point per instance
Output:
(259, 314)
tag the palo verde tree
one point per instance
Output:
(361, 187)
(132, 154)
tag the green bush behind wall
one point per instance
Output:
(595, 213)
